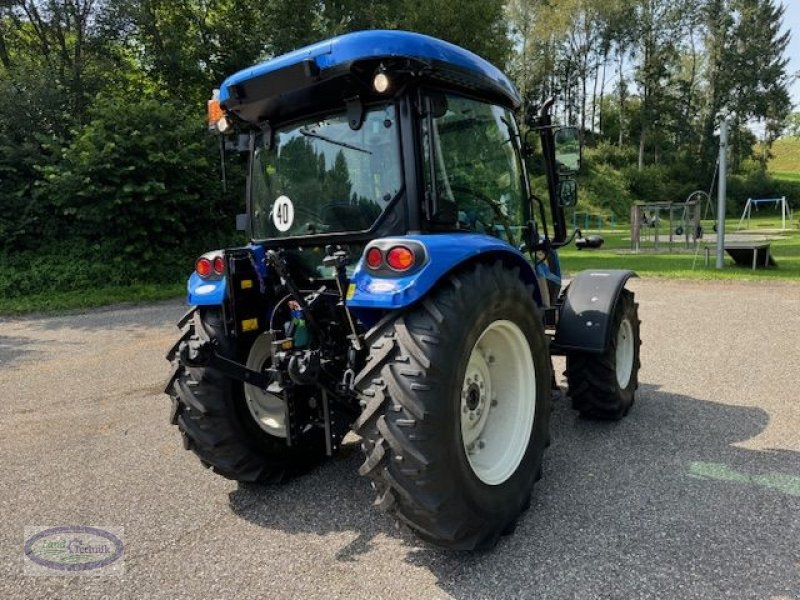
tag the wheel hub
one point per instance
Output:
(473, 397)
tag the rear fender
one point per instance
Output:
(370, 292)
(585, 320)
(206, 292)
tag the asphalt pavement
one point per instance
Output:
(695, 495)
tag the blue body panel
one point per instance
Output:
(365, 45)
(206, 292)
(446, 252)
(259, 255)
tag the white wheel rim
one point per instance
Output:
(268, 410)
(498, 402)
(624, 358)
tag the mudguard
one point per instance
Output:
(589, 301)
(206, 292)
(443, 253)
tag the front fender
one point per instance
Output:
(585, 320)
(445, 252)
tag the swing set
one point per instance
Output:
(786, 212)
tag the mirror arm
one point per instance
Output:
(549, 152)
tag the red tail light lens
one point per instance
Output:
(219, 265)
(400, 258)
(374, 258)
(203, 267)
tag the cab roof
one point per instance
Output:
(303, 76)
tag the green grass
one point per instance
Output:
(786, 175)
(90, 298)
(785, 156)
(689, 266)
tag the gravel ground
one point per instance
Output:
(695, 495)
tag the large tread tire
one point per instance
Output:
(210, 412)
(410, 391)
(592, 378)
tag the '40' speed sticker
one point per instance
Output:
(283, 213)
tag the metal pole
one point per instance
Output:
(721, 197)
(783, 212)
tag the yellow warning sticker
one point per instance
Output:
(351, 290)
(249, 324)
(246, 284)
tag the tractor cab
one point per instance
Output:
(382, 133)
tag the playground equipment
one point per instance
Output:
(786, 213)
(386, 291)
(683, 221)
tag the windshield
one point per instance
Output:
(321, 176)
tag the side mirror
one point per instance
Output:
(567, 192)
(242, 222)
(568, 150)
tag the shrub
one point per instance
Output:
(140, 175)
(608, 154)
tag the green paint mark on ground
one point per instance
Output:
(787, 484)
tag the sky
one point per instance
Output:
(791, 21)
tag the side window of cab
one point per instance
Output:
(472, 167)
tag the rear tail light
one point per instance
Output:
(210, 265)
(374, 258)
(203, 267)
(400, 258)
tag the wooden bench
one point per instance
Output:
(753, 254)
(743, 252)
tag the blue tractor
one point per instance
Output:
(401, 282)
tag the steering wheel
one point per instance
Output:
(494, 206)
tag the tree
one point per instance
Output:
(791, 126)
(746, 71)
(139, 175)
(660, 26)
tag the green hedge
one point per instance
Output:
(134, 198)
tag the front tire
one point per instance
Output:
(476, 344)
(603, 386)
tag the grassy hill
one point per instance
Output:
(785, 163)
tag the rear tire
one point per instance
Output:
(413, 392)
(210, 412)
(603, 386)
